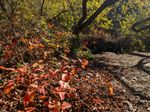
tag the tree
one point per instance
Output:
(83, 23)
(41, 10)
(138, 23)
(2, 7)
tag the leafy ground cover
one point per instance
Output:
(68, 85)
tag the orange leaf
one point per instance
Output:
(9, 87)
(73, 71)
(84, 63)
(41, 97)
(9, 69)
(65, 106)
(111, 92)
(35, 65)
(23, 69)
(31, 47)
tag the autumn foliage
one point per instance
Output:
(40, 87)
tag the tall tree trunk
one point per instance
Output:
(42, 6)
(2, 6)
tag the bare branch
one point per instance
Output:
(83, 24)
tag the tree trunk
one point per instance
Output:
(139, 23)
(41, 11)
(2, 6)
(82, 23)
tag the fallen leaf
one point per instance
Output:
(41, 97)
(97, 100)
(60, 92)
(9, 69)
(65, 77)
(30, 109)
(35, 86)
(35, 65)
(84, 63)
(65, 106)
(9, 87)
(111, 92)
(23, 69)
(29, 97)
(41, 90)
(73, 71)
(64, 85)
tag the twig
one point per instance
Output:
(87, 105)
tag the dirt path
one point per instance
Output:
(132, 71)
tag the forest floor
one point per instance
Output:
(66, 85)
(45, 83)
(40, 87)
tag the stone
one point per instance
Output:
(148, 109)
(131, 69)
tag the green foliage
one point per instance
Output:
(136, 45)
(23, 17)
(84, 53)
(58, 45)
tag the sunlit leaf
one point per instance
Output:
(84, 63)
(35, 65)
(9, 69)
(111, 91)
(30, 109)
(64, 85)
(65, 77)
(23, 69)
(65, 106)
(41, 97)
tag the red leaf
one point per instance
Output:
(62, 95)
(64, 85)
(23, 69)
(38, 69)
(97, 101)
(60, 92)
(53, 73)
(41, 90)
(56, 110)
(30, 109)
(65, 106)
(29, 97)
(19, 79)
(63, 68)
